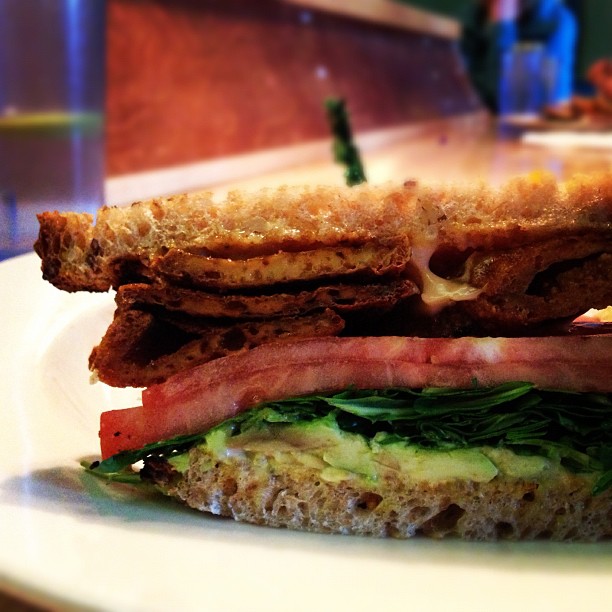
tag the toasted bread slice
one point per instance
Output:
(280, 490)
(125, 243)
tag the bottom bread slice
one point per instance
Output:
(281, 491)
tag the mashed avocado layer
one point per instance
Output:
(341, 455)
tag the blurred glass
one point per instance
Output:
(51, 113)
(527, 81)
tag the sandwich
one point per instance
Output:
(380, 360)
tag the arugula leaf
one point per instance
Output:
(125, 475)
(603, 483)
(430, 402)
(119, 462)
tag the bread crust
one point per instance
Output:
(254, 489)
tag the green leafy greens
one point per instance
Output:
(573, 428)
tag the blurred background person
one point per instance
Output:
(493, 27)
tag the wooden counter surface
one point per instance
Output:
(469, 151)
(472, 147)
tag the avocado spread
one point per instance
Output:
(341, 455)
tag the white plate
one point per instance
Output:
(67, 538)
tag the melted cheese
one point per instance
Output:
(438, 292)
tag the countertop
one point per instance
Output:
(465, 148)
(474, 149)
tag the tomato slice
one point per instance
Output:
(197, 399)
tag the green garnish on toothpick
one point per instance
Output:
(345, 150)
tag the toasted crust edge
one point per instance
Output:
(68, 252)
